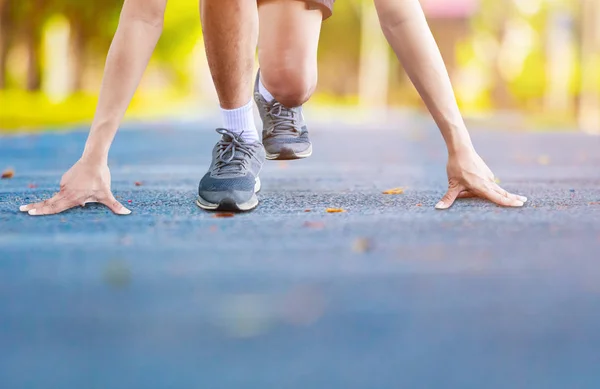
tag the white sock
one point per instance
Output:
(264, 92)
(241, 121)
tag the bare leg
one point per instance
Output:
(287, 49)
(230, 35)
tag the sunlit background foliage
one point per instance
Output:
(536, 58)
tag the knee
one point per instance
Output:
(292, 86)
(150, 12)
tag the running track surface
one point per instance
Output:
(389, 294)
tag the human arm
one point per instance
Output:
(405, 27)
(140, 27)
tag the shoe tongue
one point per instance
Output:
(285, 112)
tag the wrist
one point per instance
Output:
(460, 148)
(94, 155)
(458, 141)
(98, 143)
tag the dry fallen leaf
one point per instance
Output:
(224, 214)
(138, 183)
(335, 210)
(307, 210)
(314, 225)
(419, 205)
(394, 191)
(543, 160)
(595, 203)
(32, 186)
(362, 245)
(8, 174)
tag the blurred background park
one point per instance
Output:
(534, 60)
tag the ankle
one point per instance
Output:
(240, 121)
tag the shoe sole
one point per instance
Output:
(288, 154)
(229, 204)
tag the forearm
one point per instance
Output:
(127, 59)
(407, 31)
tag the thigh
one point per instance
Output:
(324, 5)
(288, 37)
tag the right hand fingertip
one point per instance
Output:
(441, 205)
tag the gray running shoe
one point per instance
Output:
(232, 180)
(285, 135)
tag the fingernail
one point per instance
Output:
(32, 212)
(126, 212)
(23, 208)
(440, 205)
(520, 203)
(523, 199)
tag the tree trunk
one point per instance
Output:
(32, 32)
(589, 101)
(559, 60)
(374, 60)
(34, 67)
(78, 39)
(501, 96)
(5, 39)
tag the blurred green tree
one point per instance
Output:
(23, 20)
(90, 22)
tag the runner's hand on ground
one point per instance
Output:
(84, 183)
(469, 176)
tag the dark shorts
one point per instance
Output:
(326, 6)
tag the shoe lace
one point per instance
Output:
(232, 153)
(283, 120)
